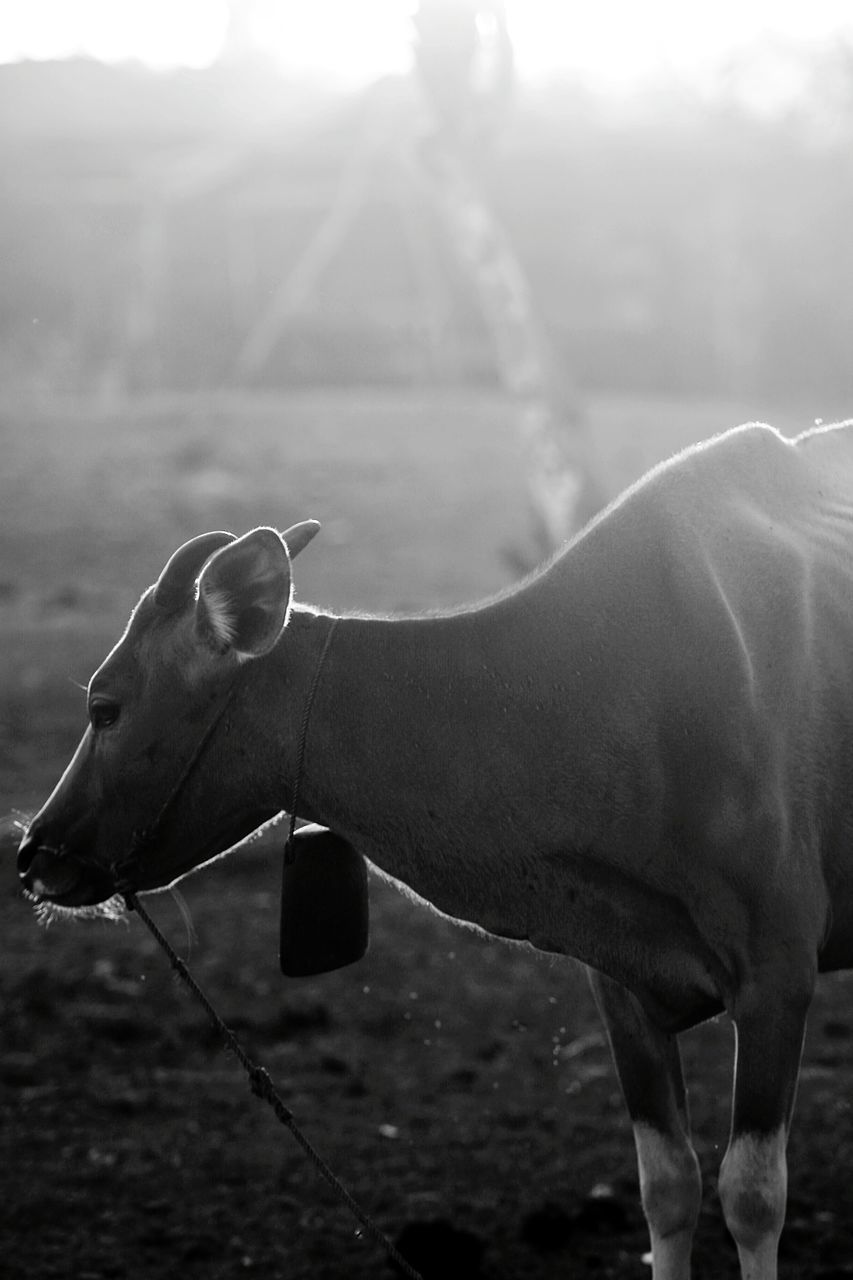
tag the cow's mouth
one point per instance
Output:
(51, 877)
(58, 881)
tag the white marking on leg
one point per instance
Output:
(753, 1188)
(671, 1190)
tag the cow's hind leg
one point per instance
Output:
(770, 1020)
(648, 1064)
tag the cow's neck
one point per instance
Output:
(419, 740)
(474, 776)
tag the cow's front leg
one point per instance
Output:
(648, 1064)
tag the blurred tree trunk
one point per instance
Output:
(463, 57)
(298, 284)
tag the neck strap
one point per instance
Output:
(289, 848)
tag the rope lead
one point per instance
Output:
(261, 1085)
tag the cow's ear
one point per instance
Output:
(176, 583)
(299, 535)
(244, 595)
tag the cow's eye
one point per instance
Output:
(102, 713)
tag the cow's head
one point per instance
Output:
(138, 802)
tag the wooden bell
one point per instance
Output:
(324, 904)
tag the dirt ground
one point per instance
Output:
(460, 1087)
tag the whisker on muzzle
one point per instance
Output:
(47, 913)
(183, 908)
(13, 827)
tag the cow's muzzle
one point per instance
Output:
(50, 874)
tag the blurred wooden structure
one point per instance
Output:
(464, 65)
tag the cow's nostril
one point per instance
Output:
(41, 869)
(27, 850)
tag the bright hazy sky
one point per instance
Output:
(614, 44)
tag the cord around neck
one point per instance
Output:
(289, 849)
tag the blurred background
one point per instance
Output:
(200, 193)
(446, 275)
(518, 249)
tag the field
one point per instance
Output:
(447, 1078)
